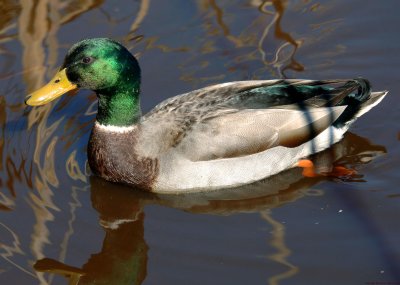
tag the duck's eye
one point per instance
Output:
(87, 59)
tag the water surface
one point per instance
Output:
(60, 225)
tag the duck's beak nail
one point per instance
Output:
(26, 99)
(57, 86)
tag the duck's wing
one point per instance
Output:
(253, 130)
(245, 117)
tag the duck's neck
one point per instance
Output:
(119, 106)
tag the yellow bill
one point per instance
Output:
(58, 86)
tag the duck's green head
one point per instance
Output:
(104, 66)
(100, 64)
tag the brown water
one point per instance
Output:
(59, 225)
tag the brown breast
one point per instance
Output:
(112, 156)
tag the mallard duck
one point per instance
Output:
(220, 136)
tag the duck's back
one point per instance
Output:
(245, 117)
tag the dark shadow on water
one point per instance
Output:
(123, 256)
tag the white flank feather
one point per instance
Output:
(181, 175)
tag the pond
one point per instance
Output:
(61, 225)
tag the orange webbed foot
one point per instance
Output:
(341, 171)
(308, 168)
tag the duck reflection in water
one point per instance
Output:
(123, 256)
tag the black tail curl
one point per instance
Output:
(359, 90)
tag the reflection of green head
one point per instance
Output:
(110, 70)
